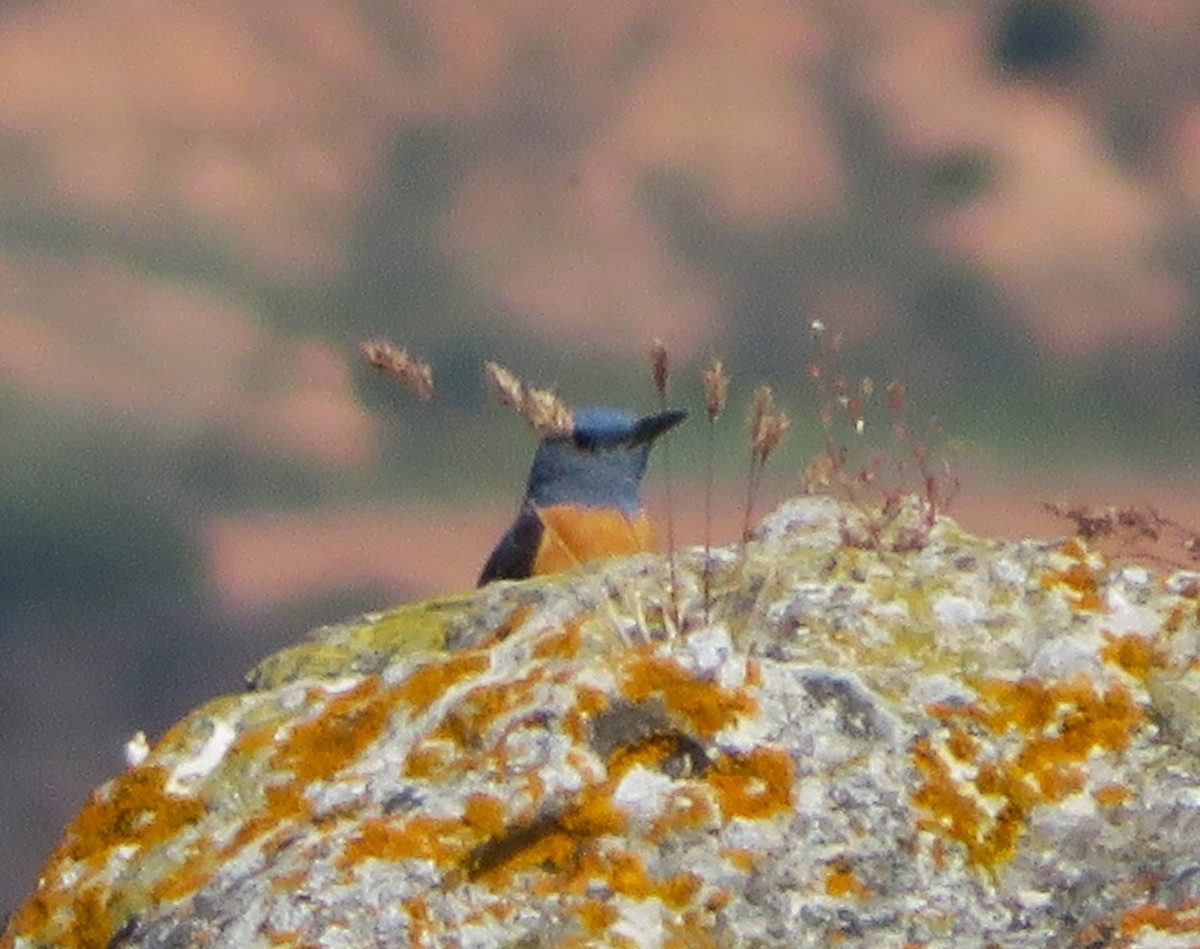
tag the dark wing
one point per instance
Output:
(517, 550)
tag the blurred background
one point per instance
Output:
(204, 206)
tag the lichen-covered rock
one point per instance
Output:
(906, 737)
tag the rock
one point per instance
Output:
(874, 734)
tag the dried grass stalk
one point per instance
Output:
(414, 375)
(543, 409)
(716, 389)
(660, 367)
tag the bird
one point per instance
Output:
(581, 500)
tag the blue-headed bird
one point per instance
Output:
(581, 501)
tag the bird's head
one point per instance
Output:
(601, 462)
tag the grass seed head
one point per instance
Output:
(761, 406)
(505, 386)
(547, 413)
(660, 367)
(414, 375)
(767, 426)
(775, 427)
(541, 408)
(716, 389)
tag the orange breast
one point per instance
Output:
(575, 535)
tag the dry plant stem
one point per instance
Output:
(752, 480)
(760, 409)
(706, 574)
(603, 598)
(660, 371)
(1133, 533)
(877, 483)
(716, 391)
(767, 428)
(672, 579)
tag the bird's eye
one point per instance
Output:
(585, 441)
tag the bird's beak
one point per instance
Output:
(649, 428)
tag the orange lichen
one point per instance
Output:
(281, 803)
(1057, 726)
(705, 706)
(691, 931)
(1137, 655)
(744, 860)
(623, 870)
(1061, 781)
(596, 915)
(552, 843)
(549, 849)
(185, 880)
(418, 916)
(253, 740)
(1079, 579)
(484, 813)
(1112, 795)
(680, 890)
(288, 882)
(92, 923)
(337, 734)
(566, 850)
(757, 784)
(429, 759)
(592, 813)
(33, 915)
(841, 881)
(949, 809)
(1182, 919)
(507, 627)
(574, 725)
(962, 744)
(177, 735)
(132, 808)
(650, 752)
(1174, 621)
(590, 700)
(91, 920)
(562, 644)
(426, 684)
(684, 808)
(469, 718)
(441, 840)
(1082, 717)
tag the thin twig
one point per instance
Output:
(660, 370)
(716, 391)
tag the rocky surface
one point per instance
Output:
(881, 736)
